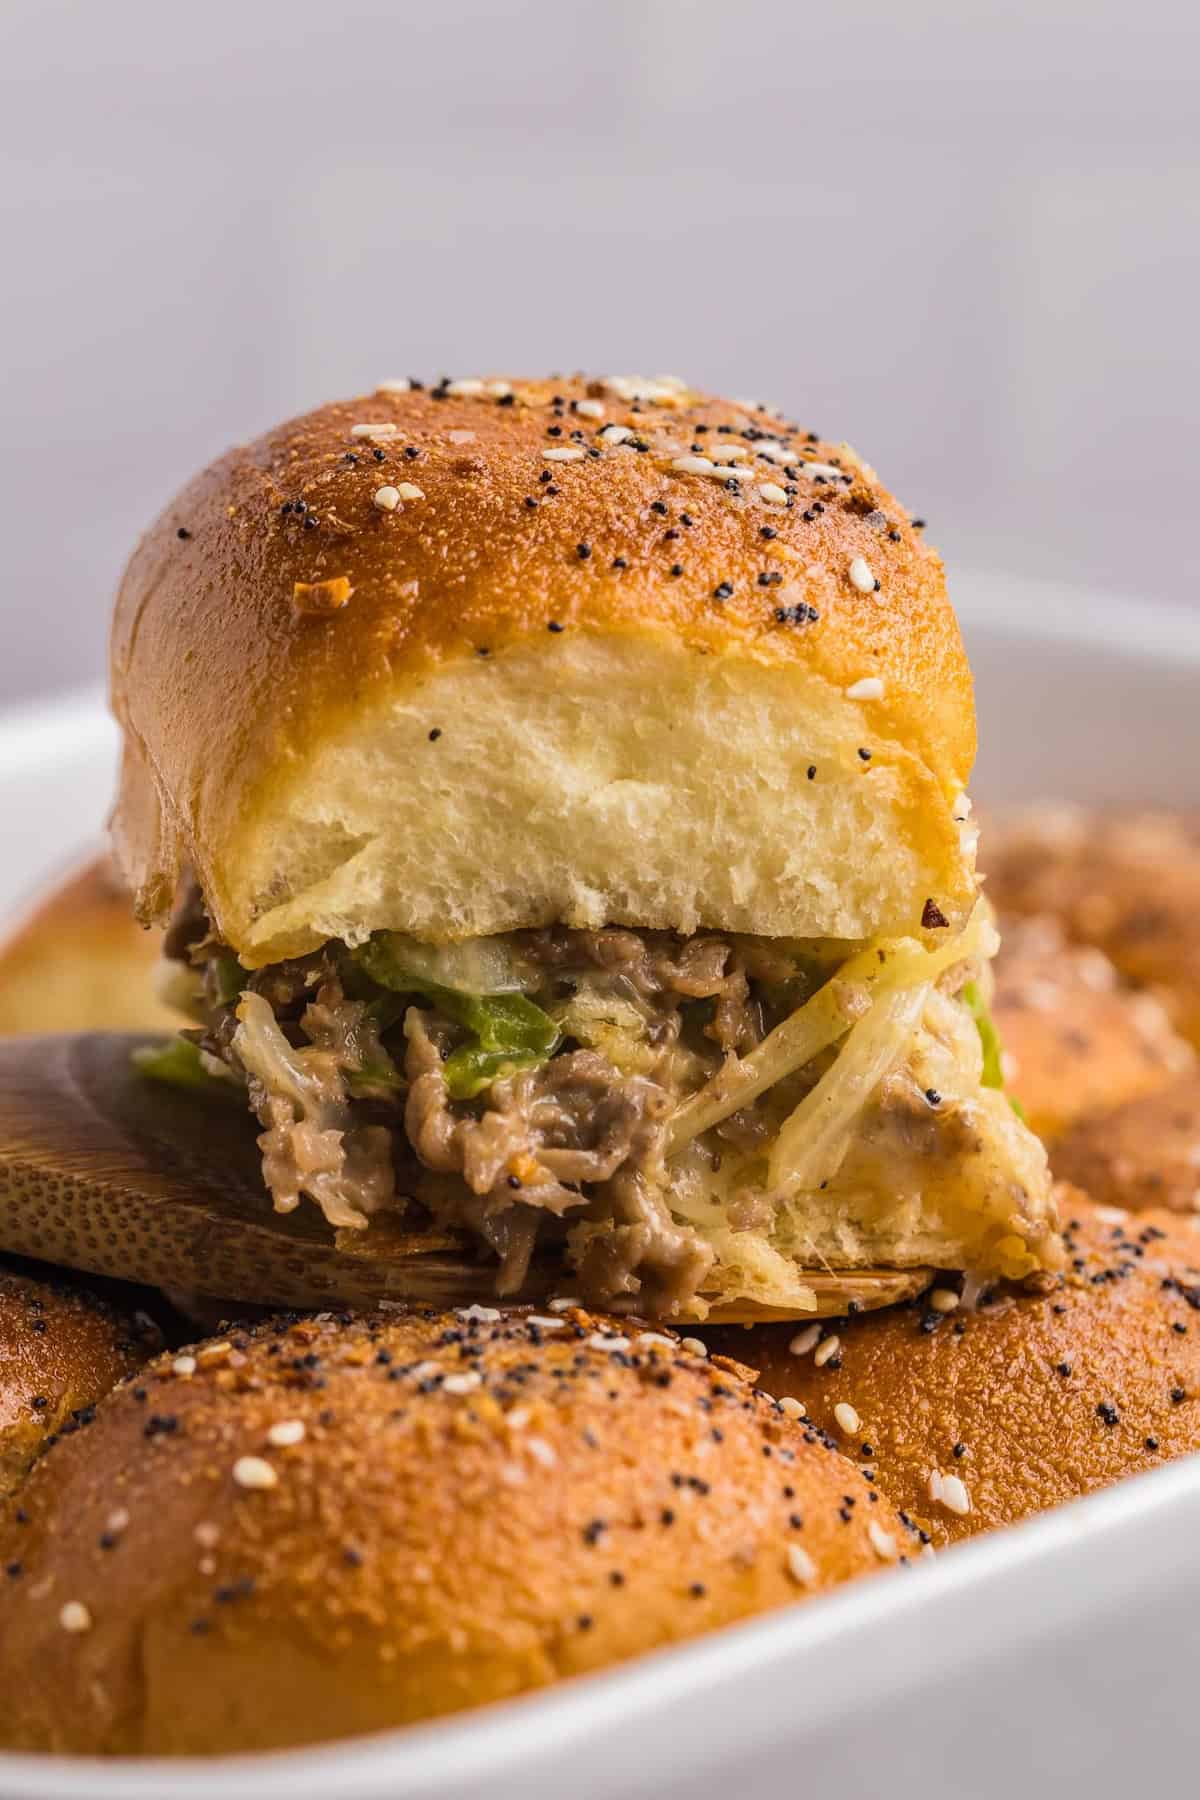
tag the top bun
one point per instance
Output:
(327, 1526)
(458, 660)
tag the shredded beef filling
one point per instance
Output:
(358, 1115)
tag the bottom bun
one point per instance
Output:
(973, 1419)
(315, 1528)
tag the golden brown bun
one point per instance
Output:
(77, 961)
(420, 1550)
(1143, 1154)
(1127, 883)
(61, 1350)
(1044, 1397)
(495, 705)
(1076, 1040)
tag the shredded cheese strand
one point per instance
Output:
(813, 1142)
(891, 964)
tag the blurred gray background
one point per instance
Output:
(962, 235)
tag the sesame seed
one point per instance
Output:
(791, 1408)
(824, 1351)
(486, 1315)
(800, 1565)
(287, 1431)
(184, 1365)
(564, 1303)
(693, 1346)
(693, 465)
(616, 434)
(821, 471)
(728, 453)
(463, 1384)
(541, 1451)
(74, 1616)
(254, 1472)
(882, 1542)
(460, 437)
(387, 499)
(869, 688)
(846, 1417)
(943, 1300)
(598, 1341)
(772, 493)
(381, 430)
(565, 453)
(861, 576)
(402, 385)
(951, 1492)
(777, 453)
(470, 384)
(545, 1324)
(805, 1340)
(408, 490)
(655, 1337)
(117, 1520)
(590, 409)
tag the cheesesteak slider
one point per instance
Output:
(559, 787)
(325, 1527)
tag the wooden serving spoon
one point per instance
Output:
(106, 1171)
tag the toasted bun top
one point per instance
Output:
(1077, 1040)
(61, 1350)
(335, 1527)
(1127, 883)
(454, 660)
(1142, 1155)
(1028, 1402)
(77, 961)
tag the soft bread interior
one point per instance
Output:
(594, 779)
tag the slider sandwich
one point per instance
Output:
(555, 795)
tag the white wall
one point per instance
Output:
(961, 234)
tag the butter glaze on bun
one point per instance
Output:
(458, 660)
(978, 1419)
(327, 1528)
(61, 1350)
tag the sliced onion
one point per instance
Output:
(813, 1141)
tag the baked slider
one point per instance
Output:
(1141, 1155)
(76, 961)
(61, 1350)
(1127, 883)
(1077, 1040)
(974, 1416)
(323, 1527)
(559, 788)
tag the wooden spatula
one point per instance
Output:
(105, 1171)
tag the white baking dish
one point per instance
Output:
(1060, 1656)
